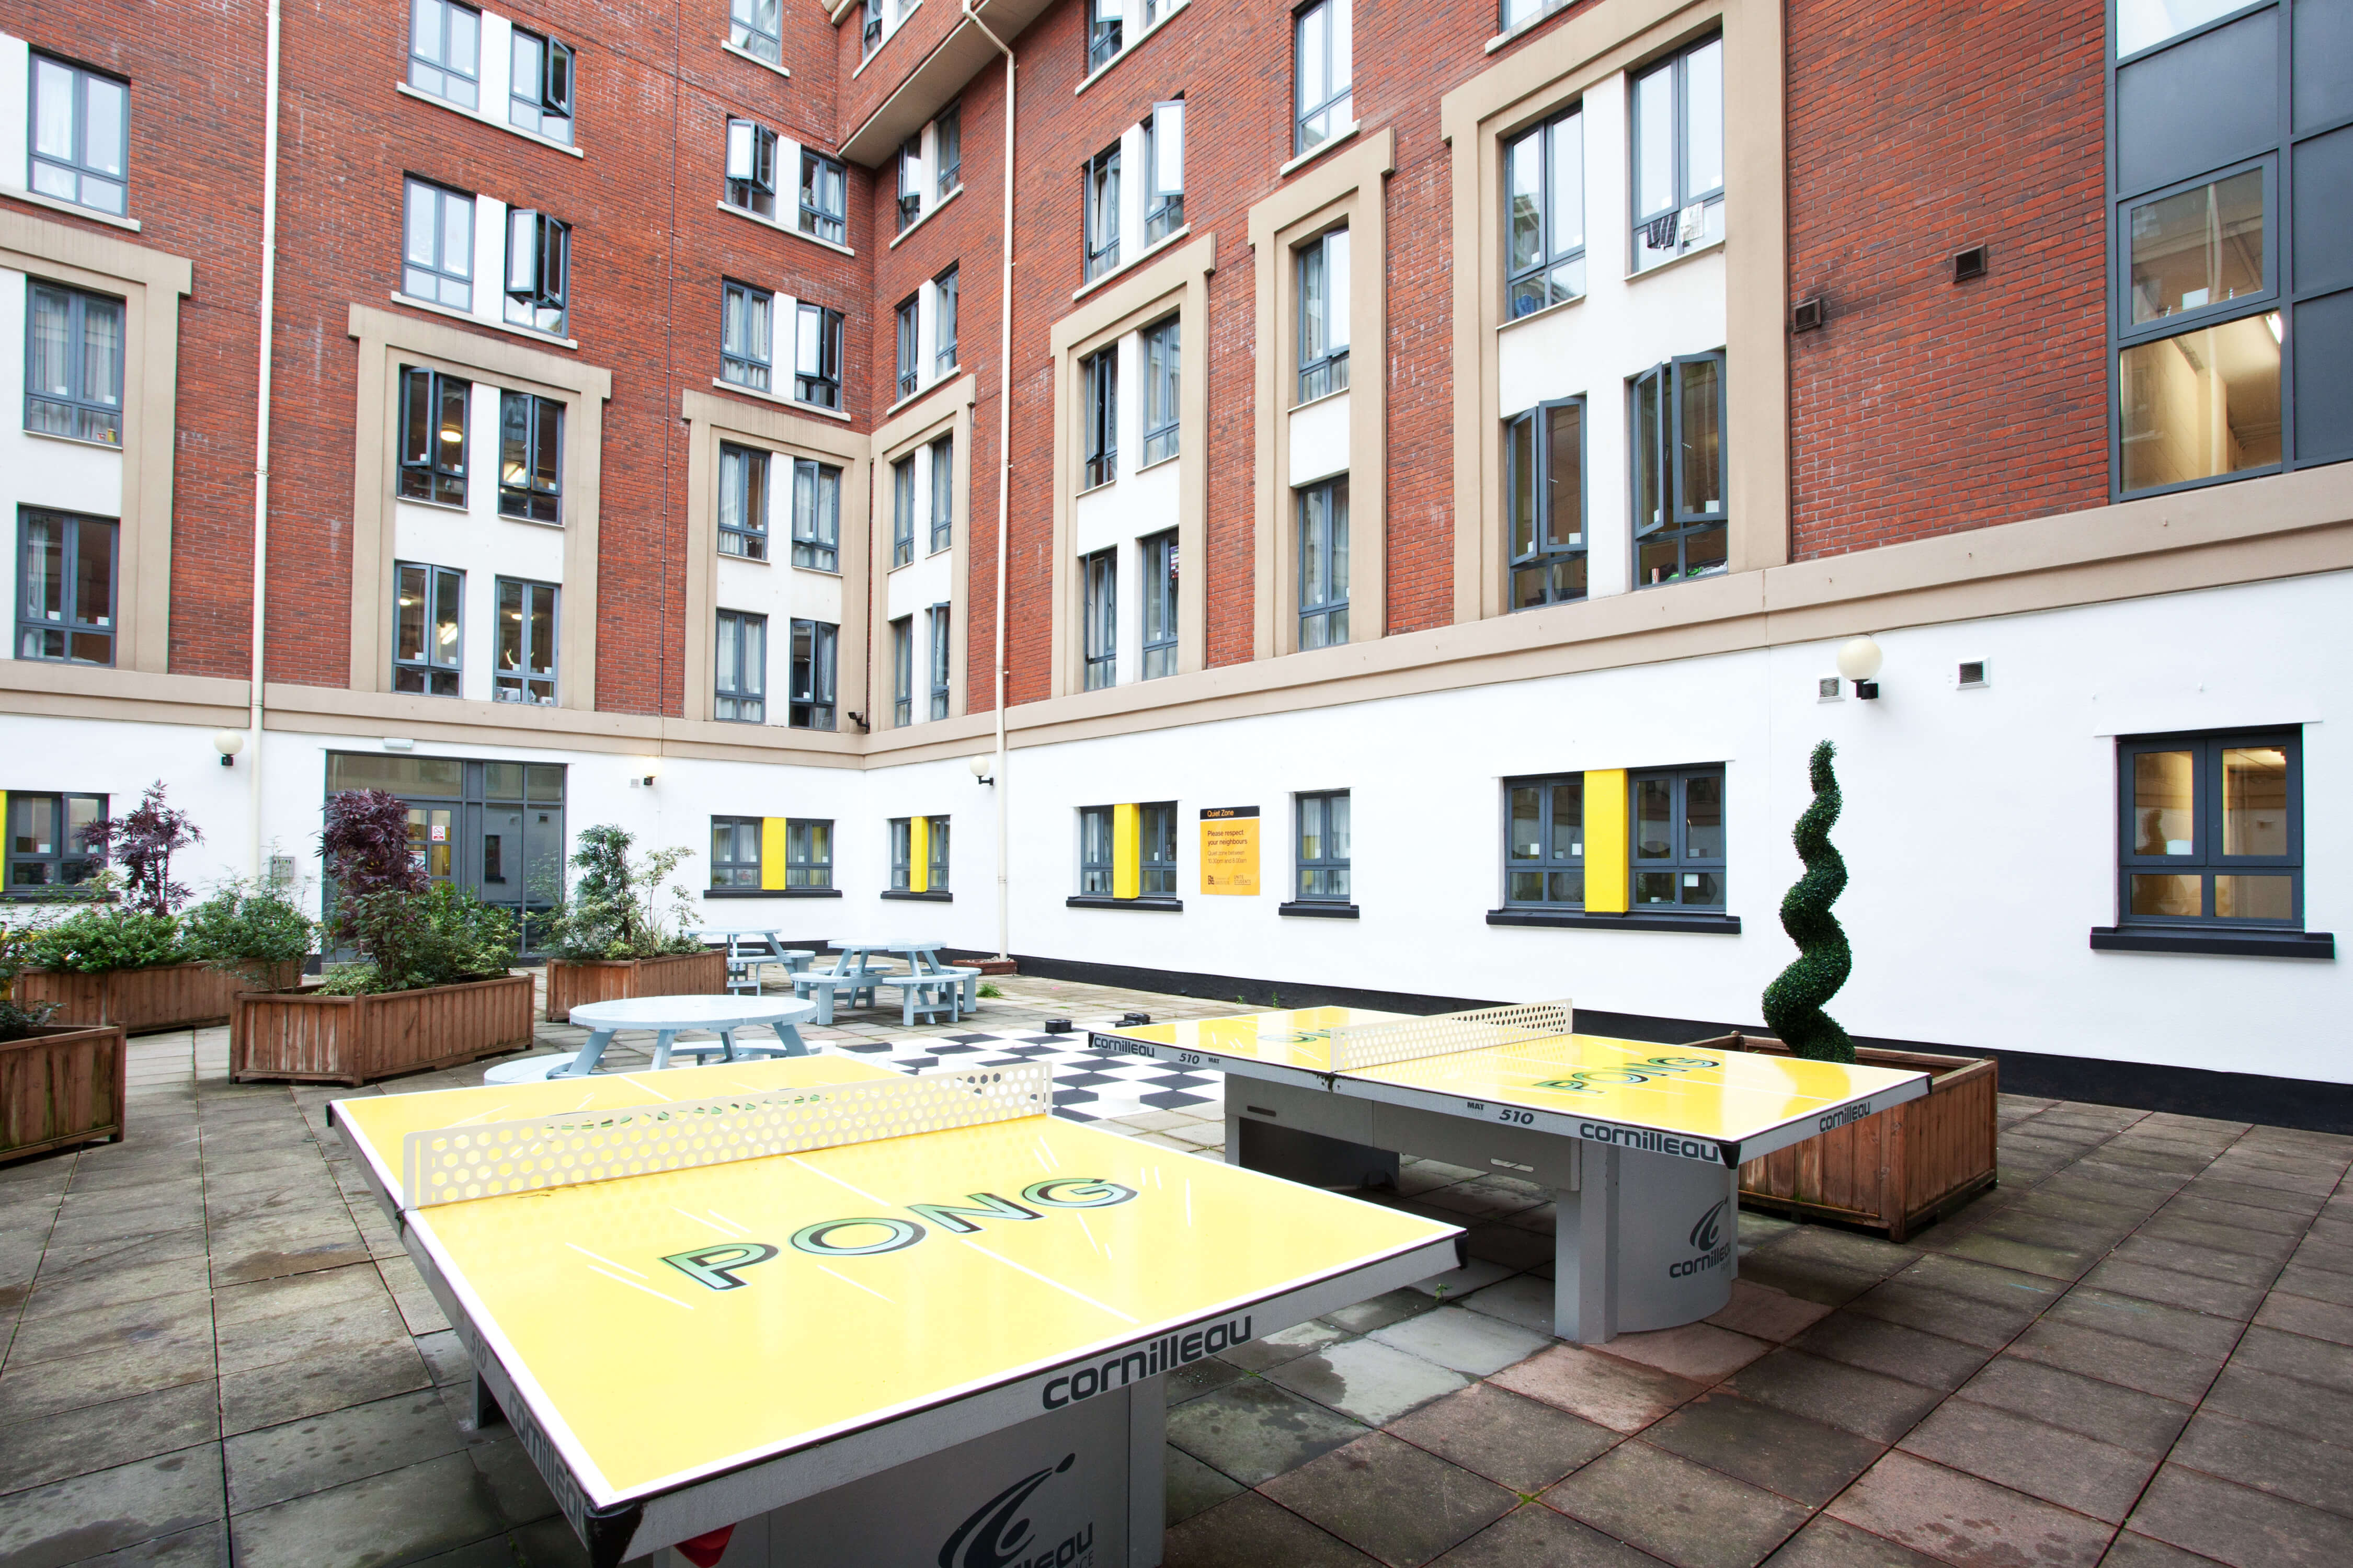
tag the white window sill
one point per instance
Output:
(1504, 40)
(1127, 49)
(924, 217)
(794, 404)
(822, 571)
(1322, 397)
(763, 63)
(1320, 148)
(748, 560)
(74, 209)
(942, 379)
(750, 217)
(1693, 254)
(76, 440)
(414, 303)
(1163, 243)
(1098, 489)
(1161, 462)
(432, 505)
(1554, 309)
(884, 41)
(480, 118)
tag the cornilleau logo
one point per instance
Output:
(997, 1535)
(1707, 1242)
(1709, 1230)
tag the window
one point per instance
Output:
(432, 437)
(743, 502)
(67, 572)
(2144, 24)
(1544, 847)
(1102, 371)
(944, 326)
(825, 198)
(947, 147)
(902, 853)
(752, 167)
(2213, 829)
(73, 364)
(1101, 575)
(943, 493)
(817, 514)
(940, 654)
(437, 253)
(902, 672)
(1519, 13)
(1103, 29)
(539, 252)
(810, 699)
(816, 356)
(902, 512)
(937, 872)
(1323, 564)
(1323, 847)
(910, 373)
(1544, 500)
(1678, 118)
(752, 27)
(444, 51)
(809, 854)
(911, 182)
(745, 356)
(1160, 605)
(1323, 315)
(428, 648)
(1094, 849)
(1544, 217)
(531, 441)
(525, 672)
(1163, 365)
(45, 839)
(1678, 519)
(1679, 839)
(1156, 850)
(1102, 192)
(1163, 169)
(1320, 69)
(740, 678)
(736, 851)
(82, 129)
(871, 28)
(540, 97)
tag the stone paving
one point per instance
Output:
(2137, 1350)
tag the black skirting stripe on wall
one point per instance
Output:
(2138, 1086)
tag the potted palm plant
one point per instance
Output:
(608, 938)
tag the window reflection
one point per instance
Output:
(2254, 802)
(2164, 819)
(2202, 404)
(2197, 248)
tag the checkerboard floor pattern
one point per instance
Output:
(1087, 1088)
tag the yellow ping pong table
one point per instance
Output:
(1639, 1143)
(810, 1309)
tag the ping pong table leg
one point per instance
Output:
(791, 1038)
(1585, 1251)
(486, 1406)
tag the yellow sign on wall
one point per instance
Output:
(1229, 850)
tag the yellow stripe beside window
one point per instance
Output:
(1127, 851)
(772, 839)
(919, 854)
(1605, 842)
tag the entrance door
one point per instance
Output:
(494, 829)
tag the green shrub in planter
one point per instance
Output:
(109, 936)
(411, 940)
(16, 1019)
(252, 930)
(610, 911)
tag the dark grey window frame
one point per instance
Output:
(1099, 587)
(870, 29)
(824, 197)
(1537, 285)
(1164, 371)
(83, 413)
(821, 387)
(1323, 361)
(947, 149)
(443, 11)
(1156, 850)
(65, 854)
(1106, 27)
(902, 853)
(935, 854)
(1543, 558)
(1101, 370)
(1098, 851)
(817, 527)
(750, 180)
(732, 869)
(941, 652)
(744, 482)
(902, 510)
(742, 681)
(76, 169)
(1678, 66)
(1330, 611)
(74, 631)
(811, 696)
(1678, 523)
(2209, 861)
(525, 684)
(1550, 860)
(908, 322)
(910, 204)
(427, 473)
(1164, 205)
(430, 673)
(1680, 863)
(549, 97)
(1304, 865)
(947, 287)
(1099, 202)
(1302, 113)
(540, 496)
(743, 362)
(1158, 553)
(436, 269)
(806, 864)
(902, 672)
(747, 34)
(1538, 11)
(943, 453)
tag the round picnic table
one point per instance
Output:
(667, 1016)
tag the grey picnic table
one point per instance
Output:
(668, 1017)
(749, 948)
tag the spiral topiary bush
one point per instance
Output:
(1793, 1003)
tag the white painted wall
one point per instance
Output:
(15, 113)
(1319, 439)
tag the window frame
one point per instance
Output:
(1099, 647)
(935, 854)
(75, 169)
(430, 478)
(739, 490)
(1543, 555)
(1338, 52)
(437, 269)
(1160, 562)
(72, 629)
(1097, 851)
(1100, 449)
(1099, 197)
(869, 30)
(2208, 860)
(1106, 34)
(908, 322)
(552, 94)
(1331, 608)
(1304, 866)
(902, 672)
(811, 698)
(817, 219)
(1677, 67)
(903, 854)
(816, 548)
(747, 363)
(808, 853)
(741, 681)
(83, 412)
(1164, 385)
(1323, 361)
(733, 870)
(745, 32)
(540, 497)
(1551, 257)
(902, 510)
(942, 653)
(1164, 205)
(65, 855)
(1680, 863)
(943, 520)
(1549, 861)
(1156, 850)
(909, 207)
(1677, 522)
(444, 10)
(946, 288)
(947, 151)
(826, 379)
(749, 180)
(2129, 334)
(524, 683)
(433, 676)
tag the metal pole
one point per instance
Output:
(1004, 486)
(268, 310)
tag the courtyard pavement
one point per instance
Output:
(2136, 1351)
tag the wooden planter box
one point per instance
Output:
(61, 1085)
(352, 1039)
(140, 1001)
(1895, 1172)
(575, 984)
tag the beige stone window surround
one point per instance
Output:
(711, 420)
(150, 283)
(1348, 189)
(389, 340)
(1177, 281)
(911, 436)
(1552, 71)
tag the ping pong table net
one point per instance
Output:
(453, 1164)
(1355, 1047)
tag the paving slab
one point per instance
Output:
(2302, 1315)
(1826, 1542)
(2268, 1460)
(2113, 1358)
(147, 1323)
(1868, 1402)
(1252, 1531)
(1289, 1344)
(107, 1510)
(275, 1463)
(1684, 1513)
(1762, 1312)
(1806, 1460)
(1254, 1431)
(1368, 1381)
(2319, 1283)
(2196, 1333)
(102, 1285)
(1380, 1311)
(1701, 1352)
(440, 1505)
(205, 1546)
(1462, 1340)
(1808, 1279)
(1534, 1536)
(1970, 1523)
(1517, 1442)
(1524, 1298)
(2238, 1525)
(1192, 1485)
(336, 1377)
(2216, 1298)
(100, 1437)
(2131, 1550)
(1391, 1500)
(45, 1388)
(2295, 1356)
(2033, 1456)
(2139, 1423)
(1188, 1382)
(1610, 1393)
(1987, 1326)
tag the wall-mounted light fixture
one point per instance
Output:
(981, 766)
(390, 745)
(645, 780)
(228, 743)
(1859, 661)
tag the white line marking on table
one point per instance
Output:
(846, 1279)
(836, 1180)
(601, 1259)
(698, 1219)
(1090, 1234)
(635, 1286)
(724, 1219)
(1048, 1279)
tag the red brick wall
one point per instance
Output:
(1922, 407)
